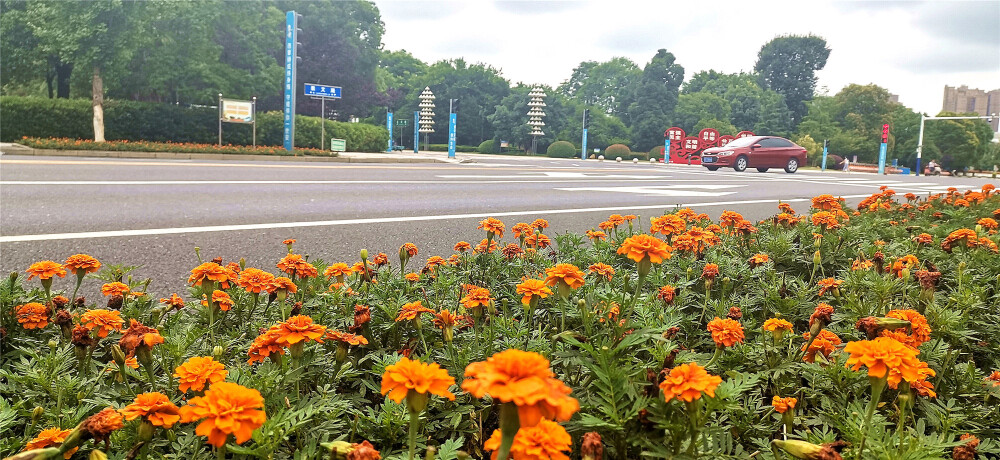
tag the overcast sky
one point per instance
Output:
(911, 48)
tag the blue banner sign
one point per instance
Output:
(416, 132)
(451, 134)
(666, 151)
(315, 90)
(388, 125)
(289, 105)
(881, 158)
(583, 149)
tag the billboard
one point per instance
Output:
(234, 111)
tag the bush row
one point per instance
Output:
(136, 121)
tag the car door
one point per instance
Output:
(781, 151)
(765, 155)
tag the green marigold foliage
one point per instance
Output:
(617, 150)
(922, 270)
(561, 149)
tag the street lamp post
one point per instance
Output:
(535, 115)
(920, 137)
(426, 114)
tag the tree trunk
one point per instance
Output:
(63, 72)
(98, 104)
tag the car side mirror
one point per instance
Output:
(755, 146)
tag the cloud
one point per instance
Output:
(966, 22)
(481, 48)
(949, 59)
(419, 10)
(537, 7)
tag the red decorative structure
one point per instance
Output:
(687, 149)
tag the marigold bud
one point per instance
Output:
(118, 355)
(97, 455)
(591, 448)
(364, 254)
(38, 412)
(217, 352)
(799, 449)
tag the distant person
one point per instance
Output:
(933, 168)
(847, 165)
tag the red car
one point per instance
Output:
(761, 152)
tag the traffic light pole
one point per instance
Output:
(920, 137)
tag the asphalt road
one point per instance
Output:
(153, 213)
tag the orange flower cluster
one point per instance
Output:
(666, 294)
(600, 269)
(782, 405)
(32, 315)
(907, 262)
(730, 219)
(494, 227)
(828, 284)
(777, 324)
(81, 264)
(826, 343)
(213, 272)
(115, 289)
(825, 220)
(274, 341)
(920, 329)
(462, 246)
(345, 338)
(222, 299)
(725, 332)
(687, 382)
(883, 356)
(137, 335)
(199, 371)
(564, 274)
(525, 379)
(826, 202)
(51, 437)
(255, 280)
(100, 425)
(758, 260)
(595, 235)
(538, 240)
(532, 288)
(405, 376)
(46, 269)
(475, 296)
(667, 225)
(174, 301)
(988, 223)
(412, 311)
(225, 409)
(522, 230)
(281, 283)
(296, 265)
(696, 240)
(710, 271)
(961, 237)
(545, 441)
(104, 321)
(645, 247)
(155, 408)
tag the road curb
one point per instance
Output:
(343, 158)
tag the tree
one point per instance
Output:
(655, 99)
(692, 108)
(788, 66)
(609, 85)
(958, 143)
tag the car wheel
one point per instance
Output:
(762, 169)
(792, 166)
(712, 168)
(741, 164)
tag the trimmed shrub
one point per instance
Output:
(149, 121)
(657, 153)
(561, 149)
(617, 150)
(489, 146)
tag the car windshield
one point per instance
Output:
(742, 142)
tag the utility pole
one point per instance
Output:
(920, 137)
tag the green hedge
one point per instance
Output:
(489, 146)
(135, 121)
(561, 149)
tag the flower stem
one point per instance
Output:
(414, 425)
(878, 384)
(509, 424)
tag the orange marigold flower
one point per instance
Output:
(826, 203)
(475, 296)
(104, 320)
(961, 236)
(492, 226)
(606, 225)
(595, 235)
(687, 382)
(725, 332)
(920, 329)
(686, 214)
(666, 294)
(782, 405)
(730, 218)
(412, 277)
(481, 247)
(540, 224)
(987, 223)
(906, 262)
(777, 324)
(175, 301)
(994, 378)
(923, 238)
(435, 261)
(604, 270)
(100, 425)
(710, 271)
(294, 264)
(882, 356)
(344, 337)
(645, 247)
(410, 375)
(545, 441)
(222, 298)
(212, 272)
(409, 249)
(537, 240)
(524, 378)
(81, 264)
(532, 288)
(155, 407)
(46, 269)
(522, 229)
(920, 385)
(199, 371)
(288, 241)
(823, 313)
(226, 408)
(264, 346)
(827, 284)
(825, 220)
(298, 329)
(616, 219)
(380, 259)
(669, 224)
(412, 310)
(255, 280)
(564, 275)
(363, 451)
(462, 246)
(115, 289)
(280, 283)
(786, 208)
(826, 342)
(338, 270)
(758, 260)
(511, 251)
(32, 315)
(138, 335)
(51, 437)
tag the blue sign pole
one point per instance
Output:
(881, 157)
(452, 119)
(388, 125)
(416, 131)
(666, 150)
(824, 156)
(583, 148)
(289, 106)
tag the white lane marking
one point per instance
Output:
(661, 190)
(376, 220)
(335, 182)
(554, 175)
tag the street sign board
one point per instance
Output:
(402, 122)
(317, 90)
(234, 111)
(338, 145)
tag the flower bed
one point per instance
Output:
(867, 333)
(179, 147)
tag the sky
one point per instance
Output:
(911, 48)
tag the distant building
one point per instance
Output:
(894, 98)
(963, 99)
